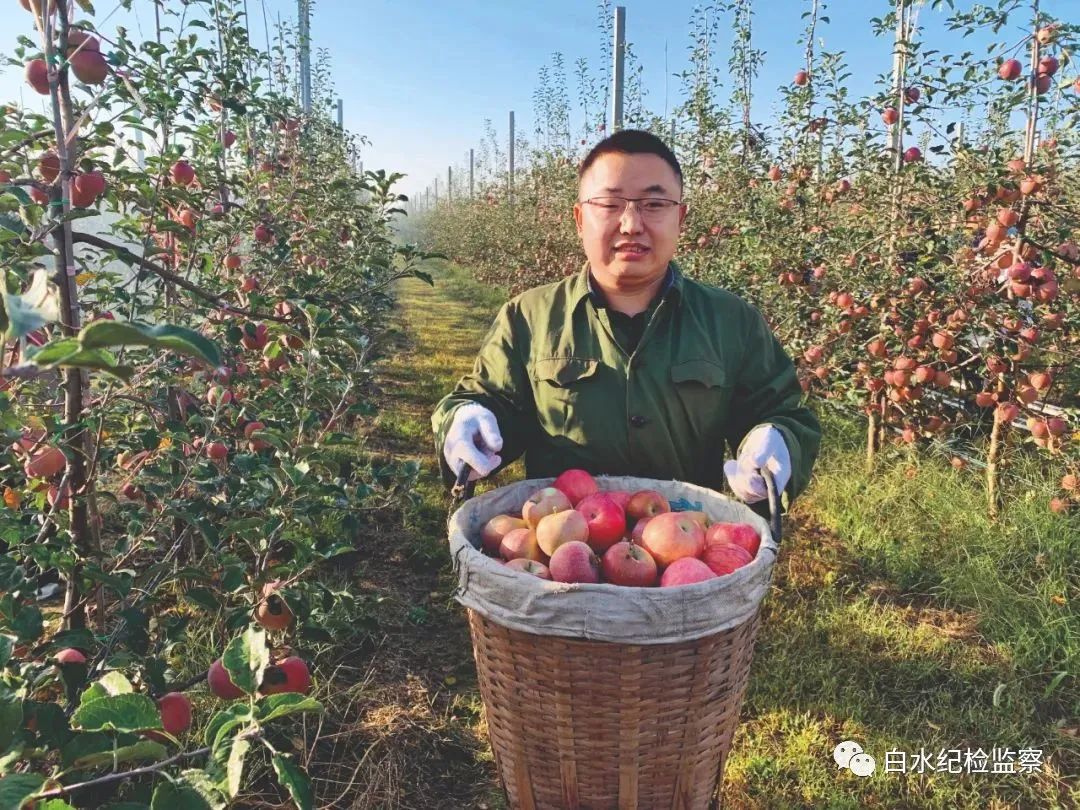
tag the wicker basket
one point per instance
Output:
(581, 724)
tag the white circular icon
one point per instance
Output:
(862, 764)
(845, 751)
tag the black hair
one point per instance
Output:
(632, 142)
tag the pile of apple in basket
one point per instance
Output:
(573, 532)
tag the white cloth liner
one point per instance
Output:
(608, 612)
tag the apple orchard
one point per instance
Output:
(189, 336)
(180, 383)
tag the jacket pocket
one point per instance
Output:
(703, 389)
(703, 372)
(562, 372)
(562, 387)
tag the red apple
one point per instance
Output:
(217, 451)
(620, 496)
(574, 562)
(646, 503)
(801, 78)
(560, 528)
(544, 501)
(639, 529)
(491, 536)
(37, 76)
(288, 675)
(685, 571)
(575, 485)
(630, 565)
(890, 116)
(671, 536)
(89, 67)
(723, 558)
(217, 678)
(520, 543)
(1010, 69)
(44, 463)
(175, 712)
(69, 656)
(739, 534)
(254, 336)
(607, 522)
(182, 174)
(90, 184)
(527, 566)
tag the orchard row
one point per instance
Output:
(188, 342)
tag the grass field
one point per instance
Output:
(900, 618)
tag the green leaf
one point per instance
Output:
(53, 804)
(293, 779)
(18, 787)
(272, 707)
(225, 721)
(7, 643)
(118, 713)
(246, 658)
(142, 750)
(68, 353)
(204, 598)
(234, 769)
(192, 791)
(100, 334)
(39, 305)
(114, 683)
(86, 6)
(11, 717)
(11, 224)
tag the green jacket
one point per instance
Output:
(707, 370)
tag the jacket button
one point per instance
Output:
(638, 421)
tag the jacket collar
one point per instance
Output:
(582, 287)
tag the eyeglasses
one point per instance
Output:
(650, 207)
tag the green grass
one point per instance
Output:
(901, 617)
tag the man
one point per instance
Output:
(628, 367)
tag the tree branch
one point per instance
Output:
(179, 281)
(29, 139)
(56, 793)
(1051, 251)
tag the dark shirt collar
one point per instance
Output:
(600, 302)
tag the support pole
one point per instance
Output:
(303, 13)
(617, 79)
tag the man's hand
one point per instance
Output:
(473, 439)
(763, 447)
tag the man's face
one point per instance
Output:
(607, 237)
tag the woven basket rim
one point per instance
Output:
(751, 581)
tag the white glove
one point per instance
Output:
(763, 447)
(473, 439)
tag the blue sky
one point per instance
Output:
(418, 79)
